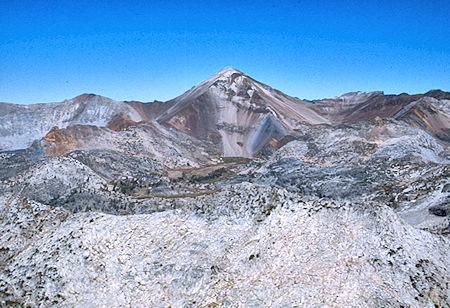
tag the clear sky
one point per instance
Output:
(156, 50)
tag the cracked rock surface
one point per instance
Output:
(297, 252)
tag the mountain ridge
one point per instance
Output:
(229, 108)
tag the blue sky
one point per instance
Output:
(156, 50)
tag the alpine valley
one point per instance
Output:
(232, 194)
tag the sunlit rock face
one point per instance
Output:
(240, 113)
(429, 111)
(232, 194)
(248, 244)
(20, 125)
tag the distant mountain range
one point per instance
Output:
(237, 113)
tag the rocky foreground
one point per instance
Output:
(334, 206)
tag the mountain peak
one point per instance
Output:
(84, 96)
(358, 95)
(228, 71)
(439, 94)
(227, 74)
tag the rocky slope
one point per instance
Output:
(161, 144)
(237, 111)
(429, 111)
(327, 205)
(20, 125)
(221, 251)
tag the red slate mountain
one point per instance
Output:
(237, 113)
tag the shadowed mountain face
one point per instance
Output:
(335, 201)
